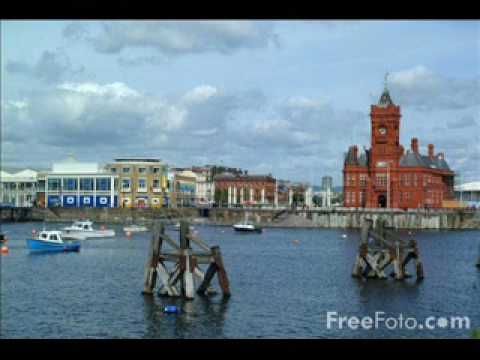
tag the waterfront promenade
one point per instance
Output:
(288, 218)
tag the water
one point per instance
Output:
(280, 288)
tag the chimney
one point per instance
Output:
(355, 153)
(414, 145)
(431, 151)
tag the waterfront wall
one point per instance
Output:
(334, 218)
(347, 218)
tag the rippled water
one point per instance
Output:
(280, 289)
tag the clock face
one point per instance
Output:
(382, 131)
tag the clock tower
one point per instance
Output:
(385, 121)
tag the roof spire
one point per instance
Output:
(385, 99)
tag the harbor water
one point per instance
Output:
(283, 283)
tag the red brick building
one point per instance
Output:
(388, 176)
(234, 190)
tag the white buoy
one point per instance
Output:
(344, 236)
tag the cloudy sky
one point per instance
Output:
(279, 97)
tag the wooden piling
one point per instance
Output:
(387, 249)
(152, 261)
(181, 279)
(222, 274)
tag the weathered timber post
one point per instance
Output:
(186, 268)
(152, 261)
(360, 263)
(186, 261)
(222, 274)
(386, 249)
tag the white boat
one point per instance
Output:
(83, 229)
(135, 228)
(247, 228)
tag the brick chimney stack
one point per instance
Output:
(414, 145)
(355, 153)
(431, 151)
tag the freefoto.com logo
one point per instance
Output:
(380, 320)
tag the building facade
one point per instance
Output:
(385, 176)
(468, 194)
(205, 187)
(74, 184)
(244, 190)
(18, 189)
(142, 182)
(184, 189)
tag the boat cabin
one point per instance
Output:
(50, 236)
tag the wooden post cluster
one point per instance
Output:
(180, 279)
(380, 248)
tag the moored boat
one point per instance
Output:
(135, 228)
(51, 241)
(83, 229)
(247, 228)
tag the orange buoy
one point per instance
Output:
(4, 249)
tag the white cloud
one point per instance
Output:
(116, 89)
(175, 37)
(200, 94)
(423, 89)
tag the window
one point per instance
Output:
(363, 180)
(362, 198)
(156, 183)
(156, 170)
(113, 170)
(415, 180)
(103, 184)
(407, 179)
(350, 180)
(126, 170)
(86, 184)
(70, 184)
(142, 170)
(381, 179)
(142, 184)
(125, 184)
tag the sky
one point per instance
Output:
(280, 97)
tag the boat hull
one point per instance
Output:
(39, 245)
(88, 234)
(135, 229)
(247, 229)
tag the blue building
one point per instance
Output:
(74, 184)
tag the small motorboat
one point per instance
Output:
(247, 228)
(48, 240)
(135, 228)
(83, 229)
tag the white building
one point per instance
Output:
(205, 187)
(18, 189)
(78, 184)
(468, 193)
